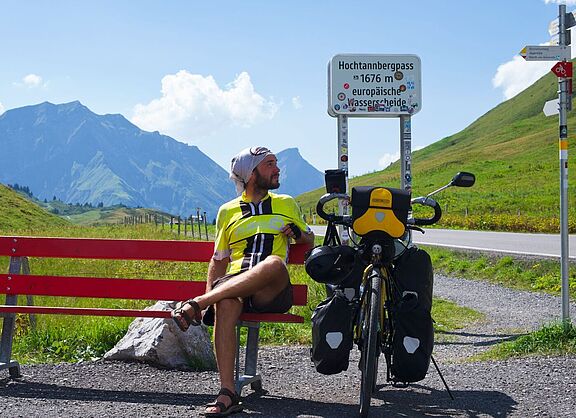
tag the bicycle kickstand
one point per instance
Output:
(442, 377)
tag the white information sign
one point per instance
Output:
(545, 53)
(551, 107)
(374, 85)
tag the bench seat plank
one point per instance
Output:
(136, 313)
(112, 288)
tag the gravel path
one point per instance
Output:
(536, 386)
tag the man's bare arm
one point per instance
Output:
(300, 237)
(306, 238)
(216, 268)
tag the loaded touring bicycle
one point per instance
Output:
(379, 286)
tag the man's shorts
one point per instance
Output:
(280, 304)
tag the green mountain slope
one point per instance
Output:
(512, 149)
(19, 215)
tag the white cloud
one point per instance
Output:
(194, 106)
(388, 159)
(296, 102)
(518, 74)
(32, 80)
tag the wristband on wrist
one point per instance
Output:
(295, 230)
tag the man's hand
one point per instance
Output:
(292, 231)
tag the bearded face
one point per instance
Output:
(268, 180)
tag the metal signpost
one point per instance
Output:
(560, 51)
(343, 165)
(380, 86)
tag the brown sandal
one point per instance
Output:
(235, 405)
(183, 318)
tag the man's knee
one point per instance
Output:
(275, 262)
(229, 306)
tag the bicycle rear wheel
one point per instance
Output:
(370, 352)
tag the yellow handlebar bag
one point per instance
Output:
(379, 212)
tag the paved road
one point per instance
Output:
(545, 245)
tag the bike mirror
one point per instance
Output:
(463, 179)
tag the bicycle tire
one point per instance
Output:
(370, 347)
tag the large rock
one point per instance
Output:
(160, 342)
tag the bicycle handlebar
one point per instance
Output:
(347, 219)
(330, 217)
(426, 201)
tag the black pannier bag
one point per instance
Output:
(413, 339)
(332, 325)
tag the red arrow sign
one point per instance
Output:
(562, 69)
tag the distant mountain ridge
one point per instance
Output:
(71, 153)
(296, 174)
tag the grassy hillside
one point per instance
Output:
(89, 215)
(114, 215)
(512, 149)
(19, 215)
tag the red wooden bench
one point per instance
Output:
(19, 281)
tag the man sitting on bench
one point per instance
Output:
(252, 235)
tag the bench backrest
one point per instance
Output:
(119, 249)
(114, 288)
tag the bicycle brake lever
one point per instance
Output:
(416, 228)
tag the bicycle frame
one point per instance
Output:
(374, 338)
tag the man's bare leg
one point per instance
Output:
(227, 313)
(263, 282)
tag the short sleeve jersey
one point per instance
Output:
(248, 232)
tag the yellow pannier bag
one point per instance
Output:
(379, 212)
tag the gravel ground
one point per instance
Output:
(535, 386)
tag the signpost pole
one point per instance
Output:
(406, 152)
(563, 146)
(343, 165)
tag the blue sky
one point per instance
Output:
(224, 75)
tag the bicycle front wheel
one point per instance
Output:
(370, 353)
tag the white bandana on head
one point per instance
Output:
(244, 163)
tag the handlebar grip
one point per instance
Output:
(428, 201)
(325, 199)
